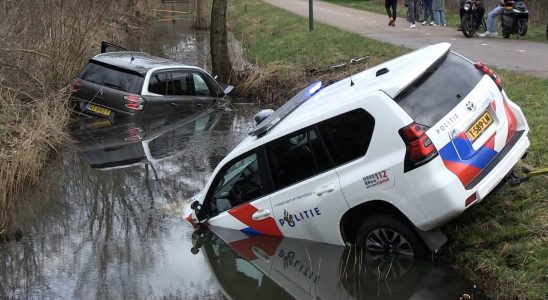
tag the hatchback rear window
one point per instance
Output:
(112, 78)
(438, 91)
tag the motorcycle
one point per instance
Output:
(514, 19)
(472, 18)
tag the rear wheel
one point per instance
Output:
(467, 26)
(388, 235)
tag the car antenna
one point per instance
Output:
(350, 75)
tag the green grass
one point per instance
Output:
(502, 242)
(536, 31)
(271, 35)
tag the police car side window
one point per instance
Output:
(347, 136)
(239, 182)
(296, 157)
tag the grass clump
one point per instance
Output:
(42, 46)
(502, 242)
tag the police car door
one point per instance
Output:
(307, 198)
(236, 199)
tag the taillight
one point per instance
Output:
(420, 149)
(133, 134)
(134, 102)
(486, 70)
(75, 86)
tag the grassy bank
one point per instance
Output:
(536, 31)
(42, 46)
(502, 243)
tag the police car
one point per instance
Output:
(380, 159)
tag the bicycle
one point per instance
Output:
(419, 11)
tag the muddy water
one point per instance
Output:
(105, 222)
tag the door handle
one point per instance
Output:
(325, 189)
(261, 214)
(173, 104)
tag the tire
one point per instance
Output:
(467, 26)
(388, 235)
(506, 34)
(522, 27)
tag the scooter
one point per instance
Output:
(471, 20)
(514, 19)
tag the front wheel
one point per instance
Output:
(467, 26)
(522, 29)
(388, 235)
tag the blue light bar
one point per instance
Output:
(316, 86)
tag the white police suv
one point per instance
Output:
(380, 159)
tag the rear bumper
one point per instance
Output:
(434, 195)
(76, 106)
(497, 170)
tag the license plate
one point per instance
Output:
(479, 126)
(99, 123)
(99, 110)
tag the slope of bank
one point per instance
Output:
(42, 46)
(502, 242)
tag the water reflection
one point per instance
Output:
(285, 268)
(101, 227)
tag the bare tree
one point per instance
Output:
(220, 60)
(200, 21)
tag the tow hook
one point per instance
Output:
(515, 180)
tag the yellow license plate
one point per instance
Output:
(100, 110)
(479, 126)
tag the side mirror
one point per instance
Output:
(228, 89)
(194, 205)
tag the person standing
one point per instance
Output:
(491, 26)
(439, 17)
(412, 5)
(390, 6)
(428, 12)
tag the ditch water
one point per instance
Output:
(105, 223)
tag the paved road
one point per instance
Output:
(512, 54)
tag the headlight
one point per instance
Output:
(466, 6)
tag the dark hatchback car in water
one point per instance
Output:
(136, 84)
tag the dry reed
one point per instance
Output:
(42, 46)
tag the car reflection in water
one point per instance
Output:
(108, 145)
(264, 267)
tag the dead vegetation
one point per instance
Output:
(42, 46)
(268, 83)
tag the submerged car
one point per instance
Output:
(380, 159)
(136, 84)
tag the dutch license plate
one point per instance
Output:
(99, 110)
(479, 126)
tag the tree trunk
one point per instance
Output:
(200, 22)
(220, 60)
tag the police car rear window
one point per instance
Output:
(112, 78)
(439, 90)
